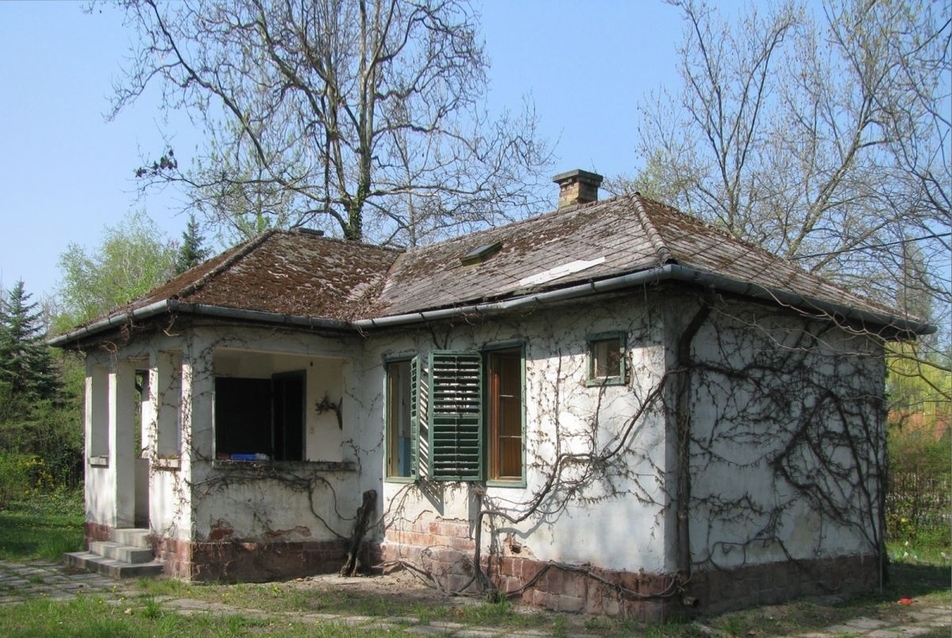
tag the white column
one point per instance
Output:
(166, 398)
(122, 450)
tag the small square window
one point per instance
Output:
(606, 360)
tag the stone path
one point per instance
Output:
(24, 581)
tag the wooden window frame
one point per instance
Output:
(592, 376)
(493, 395)
(391, 471)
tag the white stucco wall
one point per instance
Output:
(286, 501)
(562, 415)
(766, 398)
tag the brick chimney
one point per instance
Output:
(577, 187)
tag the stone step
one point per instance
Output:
(132, 536)
(121, 553)
(112, 567)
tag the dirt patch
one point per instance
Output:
(399, 586)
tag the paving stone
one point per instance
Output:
(351, 621)
(322, 617)
(382, 625)
(18, 583)
(839, 629)
(885, 633)
(481, 633)
(428, 630)
(866, 624)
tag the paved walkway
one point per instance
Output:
(24, 581)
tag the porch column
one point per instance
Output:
(97, 415)
(165, 388)
(122, 452)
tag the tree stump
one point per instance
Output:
(352, 564)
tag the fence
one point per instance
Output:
(918, 503)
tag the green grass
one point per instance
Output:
(96, 617)
(42, 527)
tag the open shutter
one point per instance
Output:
(455, 416)
(415, 417)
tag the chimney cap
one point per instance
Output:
(578, 175)
(577, 187)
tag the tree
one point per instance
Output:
(825, 141)
(26, 366)
(363, 115)
(191, 253)
(133, 258)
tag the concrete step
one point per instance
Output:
(112, 567)
(121, 553)
(132, 536)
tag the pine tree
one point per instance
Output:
(192, 252)
(26, 365)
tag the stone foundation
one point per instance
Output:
(632, 595)
(773, 583)
(235, 561)
(444, 548)
(95, 532)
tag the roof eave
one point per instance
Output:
(172, 305)
(888, 326)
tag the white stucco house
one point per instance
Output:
(610, 408)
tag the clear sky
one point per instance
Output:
(66, 173)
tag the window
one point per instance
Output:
(260, 418)
(400, 431)
(606, 359)
(504, 380)
(435, 416)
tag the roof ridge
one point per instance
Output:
(654, 236)
(240, 253)
(303, 232)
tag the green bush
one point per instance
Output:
(14, 478)
(919, 490)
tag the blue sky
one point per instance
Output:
(66, 173)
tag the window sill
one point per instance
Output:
(167, 463)
(399, 479)
(99, 461)
(519, 483)
(604, 381)
(318, 466)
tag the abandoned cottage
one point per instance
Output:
(610, 408)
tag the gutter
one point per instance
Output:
(667, 272)
(173, 305)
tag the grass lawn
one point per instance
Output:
(152, 607)
(43, 526)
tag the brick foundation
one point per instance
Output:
(444, 548)
(447, 553)
(585, 589)
(95, 532)
(777, 582)
(234, 561)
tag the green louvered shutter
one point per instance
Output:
(455, 416)
(415, 417)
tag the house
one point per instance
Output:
(611, 408)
